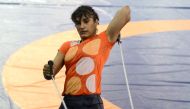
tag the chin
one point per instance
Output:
(84, 36)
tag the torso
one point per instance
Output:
(84, 64)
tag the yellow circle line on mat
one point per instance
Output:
(22, 73)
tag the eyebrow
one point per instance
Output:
(78, 20)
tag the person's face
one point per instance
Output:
(86, 27)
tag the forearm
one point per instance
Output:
(56, 69)
(58, 63)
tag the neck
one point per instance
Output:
(83, 39)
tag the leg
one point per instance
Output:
(61, 106)
(96, 106)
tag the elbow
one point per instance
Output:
(124, 14)
(127, 13)
(127, 9)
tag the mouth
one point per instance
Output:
(83, 32)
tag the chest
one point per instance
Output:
(90, 49)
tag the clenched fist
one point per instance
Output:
(48, 70)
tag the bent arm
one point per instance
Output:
(58, 62)
(121, 18)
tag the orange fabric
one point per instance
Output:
(64, 47)
(84, 64)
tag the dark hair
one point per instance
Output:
(86, 11)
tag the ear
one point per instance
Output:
(97, 22)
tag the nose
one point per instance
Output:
(82, 25)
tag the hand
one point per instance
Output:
(47, 72)
(119, 38)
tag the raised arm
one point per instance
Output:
(121, 18)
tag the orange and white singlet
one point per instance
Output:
(84, 64)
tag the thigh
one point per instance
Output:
(79, 107)
(70, 107)
(61, 106)
(92, 106)
(72, 103)
(83, 102)
(96, 106)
